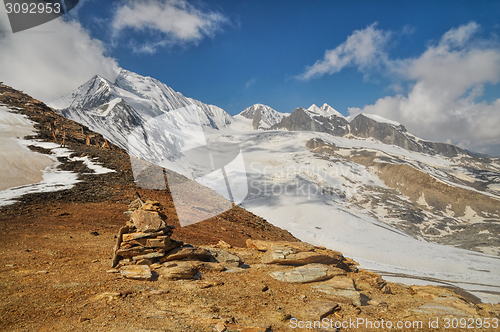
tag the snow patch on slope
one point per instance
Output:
(40, 172)
(380, 119)
(18, 164)
(325, 110)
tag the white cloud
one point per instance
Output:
(363, 49)
(460, 35)
(443, 102)
(169, 21)
(250, 83)
(52, 59)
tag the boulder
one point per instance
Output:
(225, 257)
(145, 261)
(147, 221)
(352, 295)
(220, 327)
(304, 274)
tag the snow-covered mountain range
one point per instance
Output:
(364, 185)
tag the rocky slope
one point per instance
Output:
(391, 132)
(431, 203)
(56, 275)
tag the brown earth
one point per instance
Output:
(56, 250)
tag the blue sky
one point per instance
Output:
(381, 56)
(265, 44)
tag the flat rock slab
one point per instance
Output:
(152, 255)
(140, 235)
(187, 253)
(181, 271)
(147, 221)
(135, 251)
(119, 239)
(262, 245)
(318, 310)
(350, 294)
(209, 266)
(138, 272)
(287, 256)
(235, 270)
(436, 309)
(339, 282)
(304, 274)
(448, 306)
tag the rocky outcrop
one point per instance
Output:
(289, 256)
(390, 132)
(301, 119)
(302, 254)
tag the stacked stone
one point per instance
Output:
(145, 239)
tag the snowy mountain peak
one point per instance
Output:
(325, 110)
(117, 109)
(262, 116)
(88, 95)
(330, 110)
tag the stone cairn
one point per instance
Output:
(145, 239)
(144, 244)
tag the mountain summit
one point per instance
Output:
(262, 116)
(324, 119)
(116, 109)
